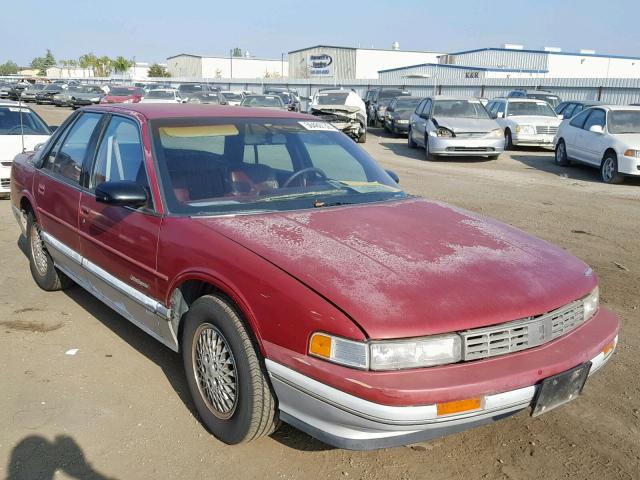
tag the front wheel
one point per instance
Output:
(508, 140)
(609, 170)
(362, 138)
(43, 271)
(427, 151)
(229, 387)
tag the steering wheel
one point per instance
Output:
(17, 128)
(304, 172)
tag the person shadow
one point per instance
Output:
(36, 458)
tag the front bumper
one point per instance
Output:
(455, 146)
(396, 127)
(505, 384)
(535, 140)
(628, 165)
(5, 180)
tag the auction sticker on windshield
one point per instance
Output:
(323, 126)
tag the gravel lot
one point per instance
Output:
(119, 407)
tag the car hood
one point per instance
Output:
(630, 139)
(11, 145)
(467, 124)
(413, 267)
(535, 120)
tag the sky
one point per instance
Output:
(152, 31)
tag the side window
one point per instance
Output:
(333, 159)
(578, 109)
(578, 120)
(597, 117)
(427, 108)
(568, 111)
(68, 154)
(120, 154)
(420, 106)
(501, 107)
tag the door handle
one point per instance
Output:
(84, 210)
(41, 189)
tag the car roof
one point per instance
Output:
(635, 108)
(156, 111)
(520, 99)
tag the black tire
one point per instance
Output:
(410, 142)
(609, 169)
(493, 157)
(561, 154)
(43, 271)
(508, 140)
(427, 153)
(254, 412)
(386, 129)
(363, 137)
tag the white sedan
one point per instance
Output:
(162, 95)
(605, 137)
(20, 129)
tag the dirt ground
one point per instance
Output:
(119, 408)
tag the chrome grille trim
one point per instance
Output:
(521, 334)
(546, 130)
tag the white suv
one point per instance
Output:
(526, 122)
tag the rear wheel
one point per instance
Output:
(363, 136)
(224, 372)
(561, 154)
(609, 169)
(45, 274)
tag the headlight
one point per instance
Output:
(496, 132)
(526, 129)
(416, 353)
(442, 132)
(591, 303)
(632, 153)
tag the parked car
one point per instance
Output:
(545, 95)
(123, 94)
(16, 89)
(571, 108)
(162, 95)
(379, 102)
(211, 98)
(232, 98)
(47, 93)
(344, 109)
(526, 122)
(368, 95)
(396, 119)
(4, 90)
(606, 137)
(87, 95)
(299, 282)
(264, 101)
(188, 89)
(65, 98)
(289, 97)
(447, 126)
(20, 127)
(29, 94)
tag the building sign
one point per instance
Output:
(472, 75)
(319, 65)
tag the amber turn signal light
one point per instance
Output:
(459, 406)
(320, 345)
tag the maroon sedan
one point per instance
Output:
(123, 95)
(299, 282)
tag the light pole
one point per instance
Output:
(231, 62)
(282, 65)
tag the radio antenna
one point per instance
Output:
(21, 123)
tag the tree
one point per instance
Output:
(121, 64)
(8, 68)
(157, 71)
(87, 61)
(102, 67)
(237, 52)
(43, 63)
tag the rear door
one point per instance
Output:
(572, 134)
(57, 190)
(119, 243)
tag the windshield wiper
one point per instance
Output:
(320, 204)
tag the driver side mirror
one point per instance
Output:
(121, 193)
(394, 176)
(500, 115)
(596, 129)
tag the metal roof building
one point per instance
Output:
(197, 67)
(343, 64)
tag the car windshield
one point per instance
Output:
(10, 118)
(163, 94)
(332, 98)
(540, 109)
(205, 97)
(222, 166)
(52, 88)
(262, 101)
(551, 99)
(403, 104)
(389, 94)
(459, 109)
(624, 121)
(122, 91)
(232, 96)
(37, 87)
(190, 88)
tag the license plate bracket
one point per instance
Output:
(560, 389)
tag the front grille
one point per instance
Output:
(546, 130)
(471, 134)
(6, 164)
(5, 183)
(521, 334)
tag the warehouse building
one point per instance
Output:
(550, 61)
(342, 64)
(197, 67)
(435, 71)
